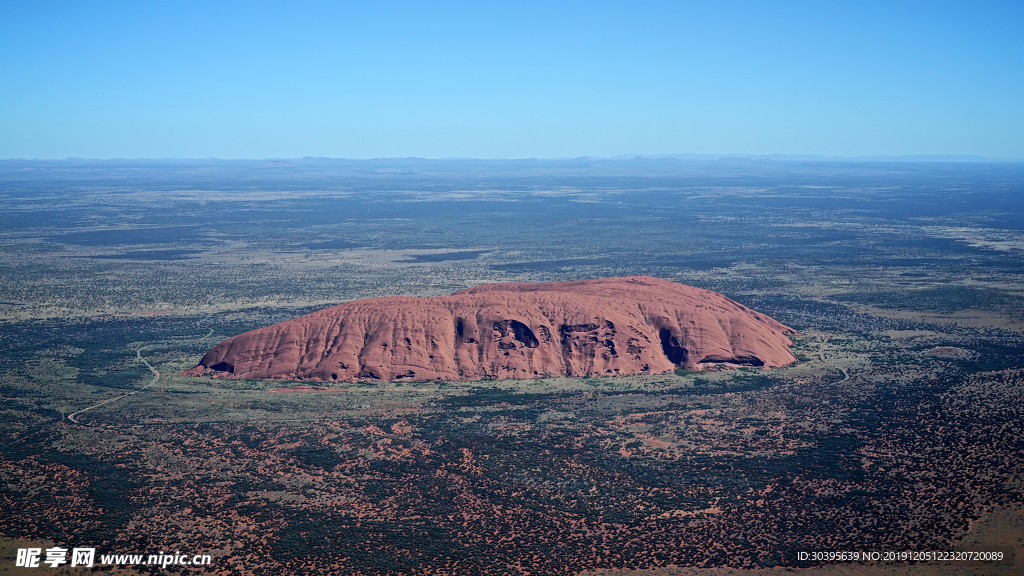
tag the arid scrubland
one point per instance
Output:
(898, 429)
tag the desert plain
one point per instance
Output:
(897, 428)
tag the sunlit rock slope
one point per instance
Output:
(610, 326)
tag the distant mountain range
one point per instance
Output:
(296, 162)
(820, 158)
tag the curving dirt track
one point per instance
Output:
(821, 356)
(156, 378)
(156, 374)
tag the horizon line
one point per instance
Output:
(950, 158)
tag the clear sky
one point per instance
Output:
(509, 79)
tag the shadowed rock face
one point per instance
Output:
(610, 326)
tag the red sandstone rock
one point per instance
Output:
(610, 326)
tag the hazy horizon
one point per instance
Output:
(618, 157)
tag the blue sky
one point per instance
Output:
(509, 80)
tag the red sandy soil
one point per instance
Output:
(611, 326)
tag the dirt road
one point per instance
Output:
(156, 377)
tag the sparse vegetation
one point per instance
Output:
(898, 431)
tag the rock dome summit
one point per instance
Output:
(609, 326)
